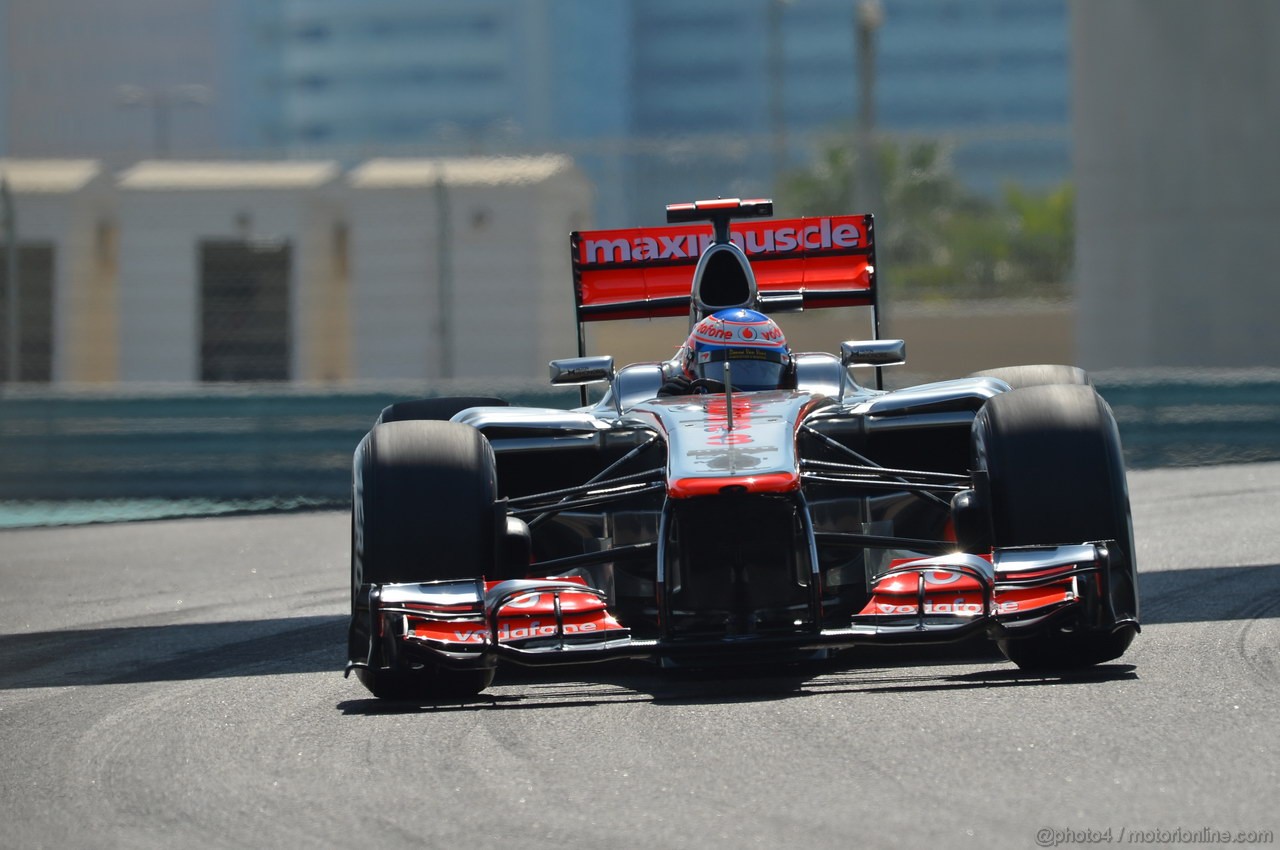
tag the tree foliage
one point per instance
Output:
(937, 239)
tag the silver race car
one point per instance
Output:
(741, 502)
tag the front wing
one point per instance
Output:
(473, 623)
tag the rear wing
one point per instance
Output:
(799, 263)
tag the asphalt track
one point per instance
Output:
(177, 683)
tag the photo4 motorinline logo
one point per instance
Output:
(1157, 837)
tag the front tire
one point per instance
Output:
(423, 509)
(1055, 475)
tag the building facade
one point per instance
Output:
(299, 271)
(1178, 190)
(655, 99)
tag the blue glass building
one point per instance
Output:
(657, 99)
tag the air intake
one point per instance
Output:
(723, 279)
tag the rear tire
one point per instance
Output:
(1056, 475)
(423, 509)
(1018, 377)
(443, 408)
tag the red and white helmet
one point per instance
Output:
(751, 343)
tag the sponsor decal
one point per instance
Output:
(711, 458)
(535, 628)
(960, 605)
(1007, 601)
(724, 331)
(783, 236)
(717, 424)
(643, 271)
(514, 629)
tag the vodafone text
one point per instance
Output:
(728, 332)
(534, 629)
(959, 606)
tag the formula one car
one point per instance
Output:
(698, 514)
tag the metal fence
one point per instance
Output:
(1195, 418)
(279, 446)
(229, 443)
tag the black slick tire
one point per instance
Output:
(1040, 375)
(442, 408)
(423, 509)
(1055, 474)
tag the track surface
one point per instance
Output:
(177, 683)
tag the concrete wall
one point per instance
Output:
(366, 259)
(1176, 122)
(366, 255)
(394, 244)
(291, 447)
(68, 205)
(159, 273)
(509, 288)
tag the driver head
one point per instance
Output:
(752, 344)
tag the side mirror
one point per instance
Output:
(873, 352)
(579, 371)
(870, 352)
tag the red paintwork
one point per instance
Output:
(960, 594)
(527, 616)
(773, 482)
(624, 273)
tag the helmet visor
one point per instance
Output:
(750, 369)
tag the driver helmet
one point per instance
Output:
(750, 342)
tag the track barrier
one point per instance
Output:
(287, 445)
